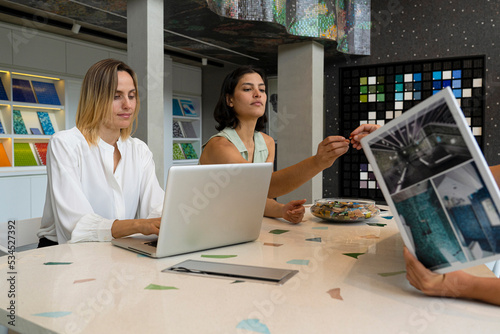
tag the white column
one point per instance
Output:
(146, 57)
(299, 128)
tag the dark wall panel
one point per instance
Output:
(409, 32)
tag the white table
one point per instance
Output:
(103, 289)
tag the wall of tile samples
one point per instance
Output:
(380, 93)
(413, 44)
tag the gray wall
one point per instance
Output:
(212, 78)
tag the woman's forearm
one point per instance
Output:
(123, 228)
(290, 178)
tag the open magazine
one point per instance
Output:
(436, 181)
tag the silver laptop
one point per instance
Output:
(438, 185)
(207, 206)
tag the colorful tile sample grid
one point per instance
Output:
(46, 92)
(21, 91)
(380, 93)
(23, 155)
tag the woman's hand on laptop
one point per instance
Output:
(123, 228)
(360, 132)
(293, 211)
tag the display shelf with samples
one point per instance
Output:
(31, 111)
(186, 129)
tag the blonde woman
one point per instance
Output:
(101, 181)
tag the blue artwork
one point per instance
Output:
(45, 122)
(2, 131)
(3, 93)
(22, 92)
(35, 131)
(46, 92)
(176, 108)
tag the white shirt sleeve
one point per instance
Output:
(71, 210)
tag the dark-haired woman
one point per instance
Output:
(240, 112)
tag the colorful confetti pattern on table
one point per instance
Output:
(335, 294)
(218, 256)
(272, 244)
(353, 255)
(52, 314)
(392, 274)
(253, 325)
(84, 280)
(277, 231)
(159, 287)
(299, 262)
(382, 92)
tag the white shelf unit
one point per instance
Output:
(190, 127)
(29, 113)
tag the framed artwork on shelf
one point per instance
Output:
(22, 91)
(176, 108)
(23, 155)
(45, 122)
(45, 92)
(188, 108)
(34, 112)
(177, 130)
(4, 159)
(41, 151)
(177, 152)
(188, 128)
(3, 93)
(19, 126)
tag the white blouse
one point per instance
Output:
(84, 196)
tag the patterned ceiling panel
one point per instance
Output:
(190, 26)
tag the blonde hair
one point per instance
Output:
(96, 99)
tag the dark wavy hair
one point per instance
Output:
(224, 114)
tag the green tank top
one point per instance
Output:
(260, 152)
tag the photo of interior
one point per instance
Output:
(426, 144)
